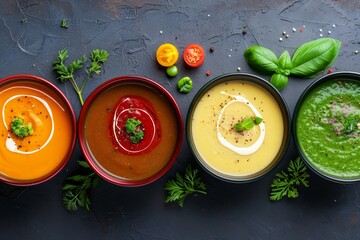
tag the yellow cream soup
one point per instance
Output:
(220, 145)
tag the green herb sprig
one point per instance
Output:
(132, 129)
(20, 129)
(350, 123)
(182, 186)
(76, 188)
(66, 73)
(309, 60)
(285, 183)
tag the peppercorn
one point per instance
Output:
(245, 30)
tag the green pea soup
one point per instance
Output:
(327, 128)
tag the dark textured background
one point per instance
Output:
(131, 31)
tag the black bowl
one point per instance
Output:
(270, 91)
(321, 155)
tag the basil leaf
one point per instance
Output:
(284, 64)
(314, 57)
(279, 81)
(261, 59)
(248, 123)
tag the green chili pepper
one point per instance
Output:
(185, 85)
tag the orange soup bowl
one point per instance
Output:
(37, 130)
(130, 130)
(238, 127)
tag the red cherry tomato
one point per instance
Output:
(194, 55)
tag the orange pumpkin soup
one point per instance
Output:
(36, 156)
(131, 131)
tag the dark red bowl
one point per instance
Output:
(120, 87)
(46, 88)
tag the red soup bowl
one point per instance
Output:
(37, 130)
(130, 130)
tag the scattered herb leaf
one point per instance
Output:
(182, 186)
(64, 24)
(76, 188)
(20, 129)
(285, 183)
(97, 58)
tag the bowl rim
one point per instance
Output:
(267, 86)
(132, 79)
(70, 110)
(329, 77)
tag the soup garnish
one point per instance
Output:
(135, 127)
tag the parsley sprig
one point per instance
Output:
(66, 73)
(132, 127)
(76, 189)
(182, 186)
(20, 129)
(285, 183)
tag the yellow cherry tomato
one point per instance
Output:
(167, 55)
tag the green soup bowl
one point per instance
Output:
(326, 126)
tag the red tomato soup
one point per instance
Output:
(131, 131)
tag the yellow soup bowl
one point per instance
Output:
(237, 127)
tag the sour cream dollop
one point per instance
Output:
(240, 150)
